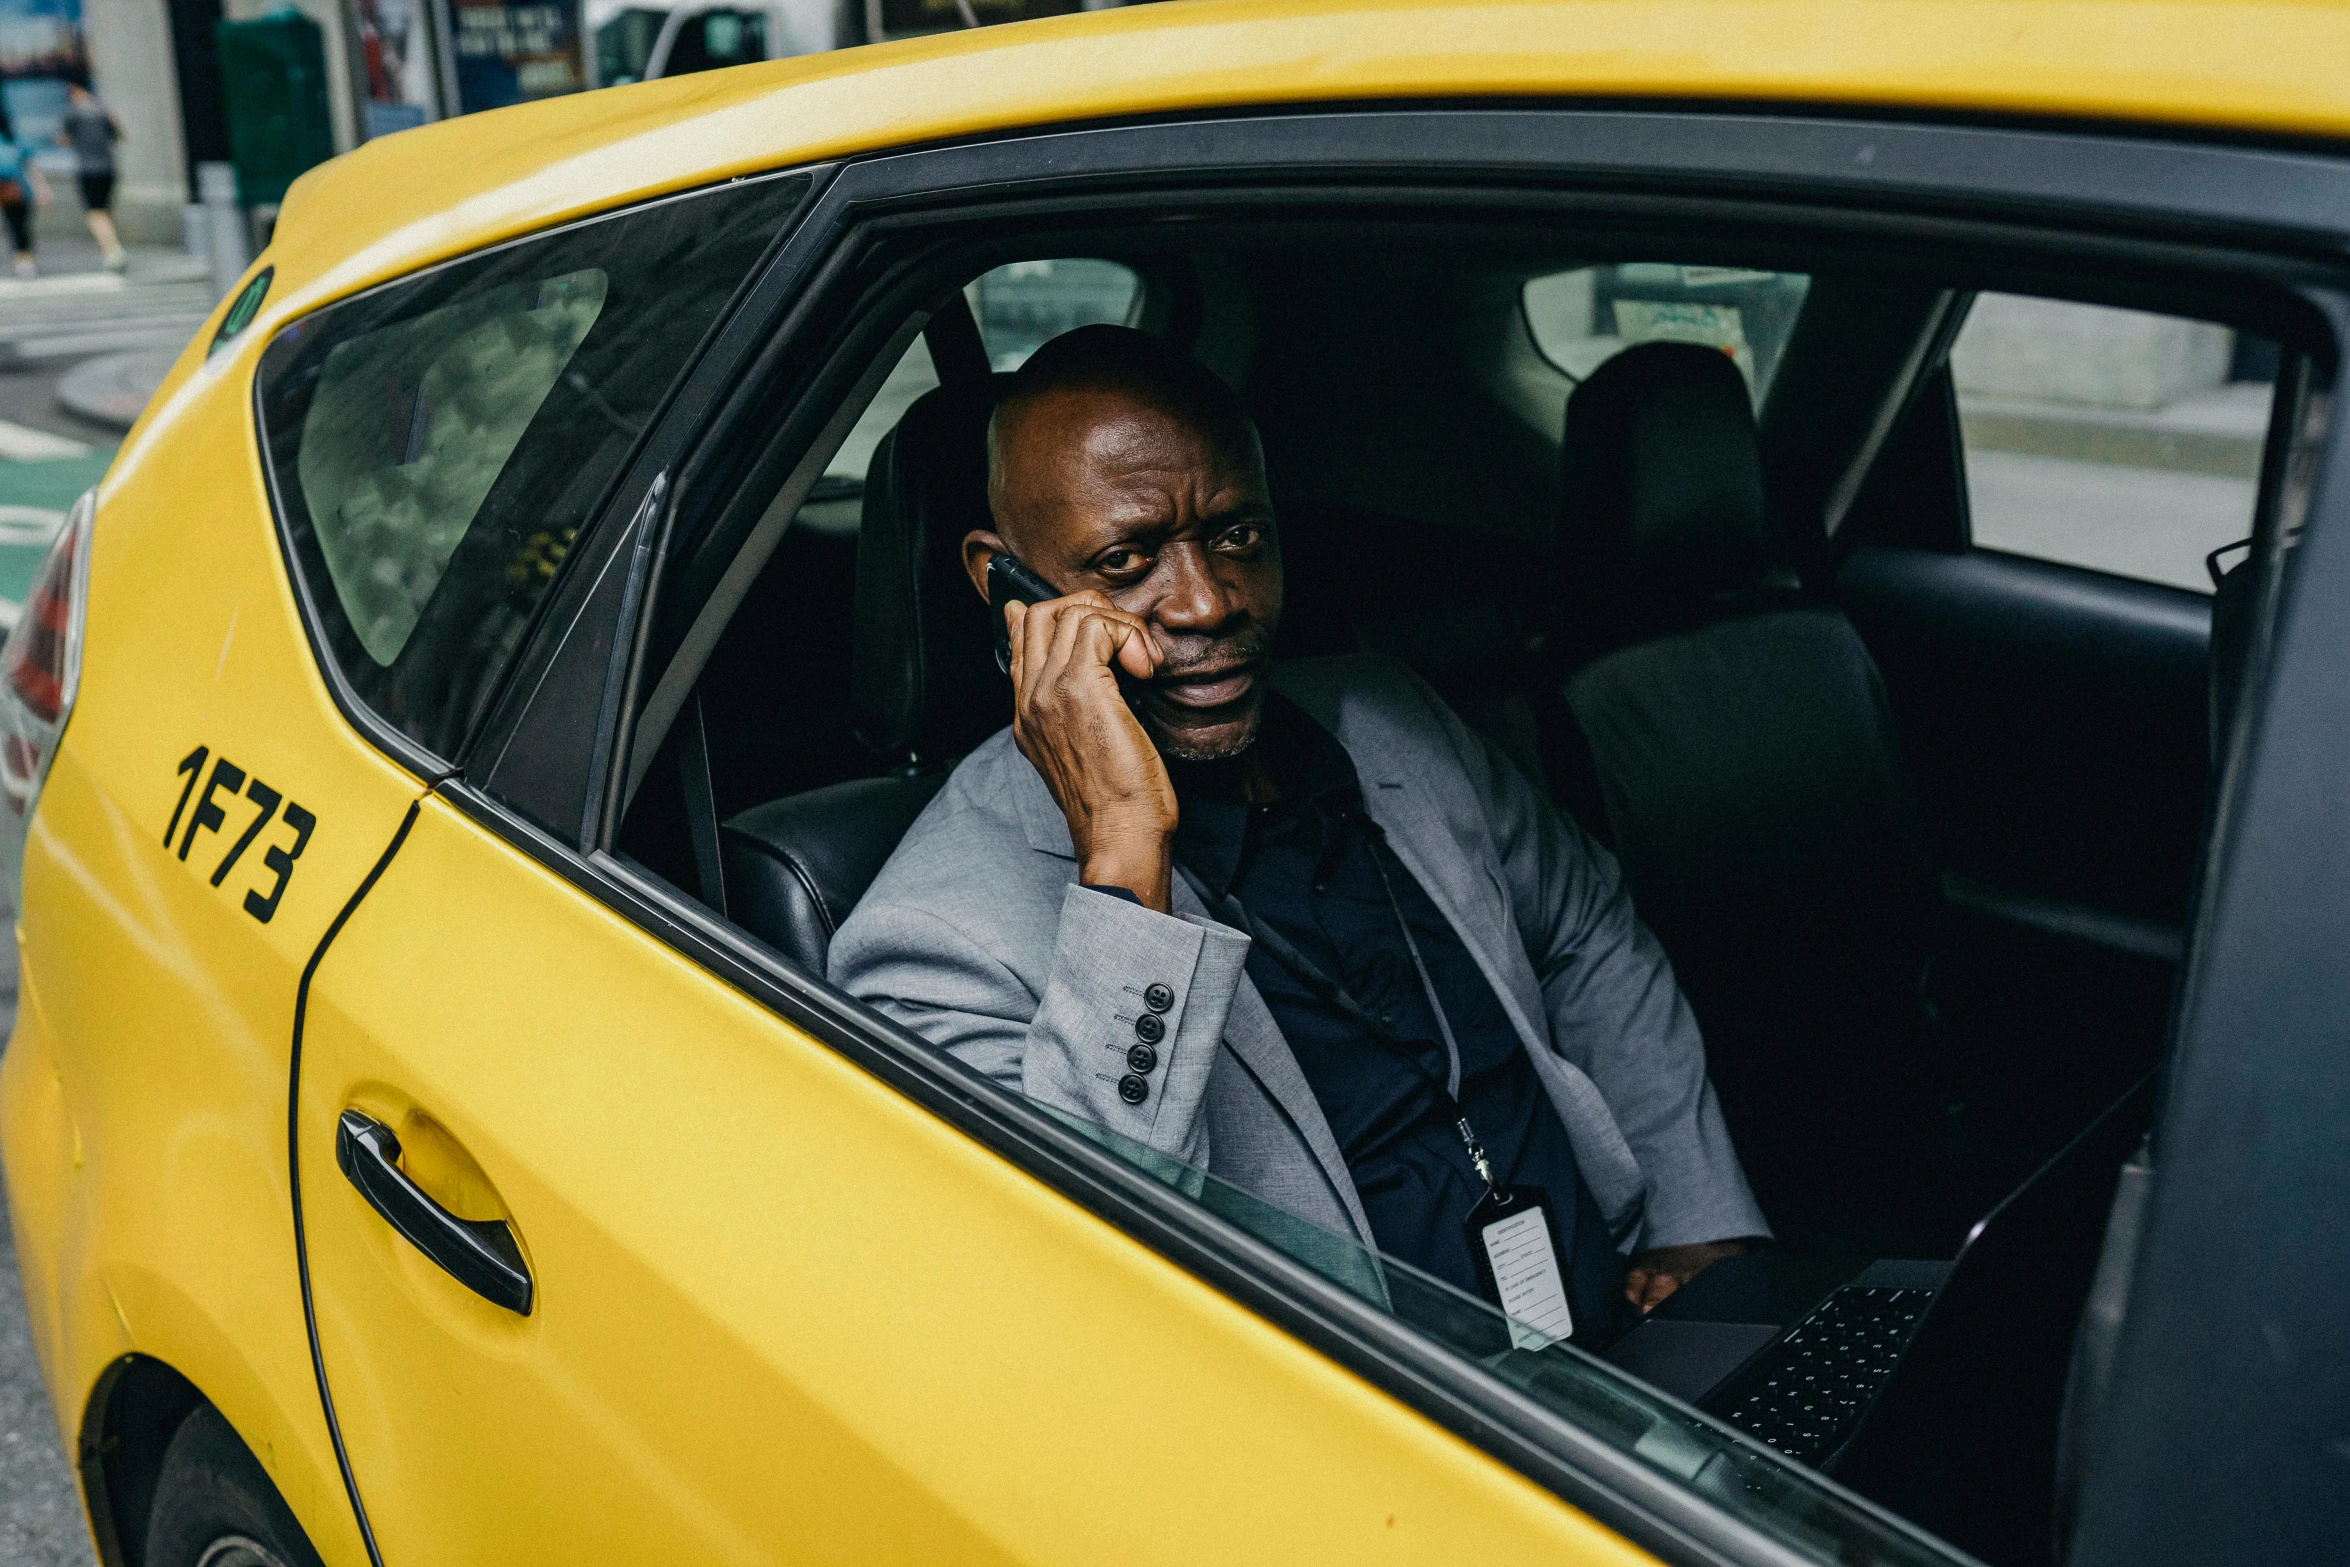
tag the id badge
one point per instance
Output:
(1516, 1248)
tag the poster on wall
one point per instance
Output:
(510, 54)
(41, 49)
(389, 40)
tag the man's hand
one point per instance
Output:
(1071, 721)
(1658, 1272)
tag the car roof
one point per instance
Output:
(443, 189)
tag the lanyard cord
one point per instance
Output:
(1334, 993)
(1452, 1048)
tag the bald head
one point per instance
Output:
(1093, 377)
(1116, 463)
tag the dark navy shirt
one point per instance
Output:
(1316, 869)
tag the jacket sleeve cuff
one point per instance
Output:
(1709, 1199)
(1090, 1051)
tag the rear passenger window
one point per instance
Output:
(1023, 306)
(1582, 318)
(2119, 440)
(1019, 307)
(438, 443)
(410, 427)
(844, 476)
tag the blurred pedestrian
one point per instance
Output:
(21, 190)
(91, 130)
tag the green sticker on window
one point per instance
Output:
(241, 313)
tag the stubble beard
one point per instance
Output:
(1171, 743)
(1175, 747)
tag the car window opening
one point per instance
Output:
(1928, 919)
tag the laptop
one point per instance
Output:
(1932, 1387)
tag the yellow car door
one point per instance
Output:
(777, 1311)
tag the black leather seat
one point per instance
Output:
(1745, 759)
(925, 687)
(1464, 610)
(796, 866)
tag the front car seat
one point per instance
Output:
(1743, 753)
(925, 687)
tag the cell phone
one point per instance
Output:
(1009, 582)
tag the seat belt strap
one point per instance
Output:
(701, 802)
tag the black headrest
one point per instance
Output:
(924, 681)
(1663, 476)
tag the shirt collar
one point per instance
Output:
(1309, 766)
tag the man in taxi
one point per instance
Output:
(1295, 924)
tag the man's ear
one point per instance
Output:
(980, 547)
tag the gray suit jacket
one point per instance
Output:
(977, 937)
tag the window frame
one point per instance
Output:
(622, 492)
(2085, 196)
(2280, 416)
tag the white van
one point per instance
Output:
(638, 42)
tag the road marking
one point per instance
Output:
(24, 527)
(169, 333)
(35, 525)
(62, 283)
(22, 443)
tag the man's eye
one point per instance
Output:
(1241, 537)
(1118, 563)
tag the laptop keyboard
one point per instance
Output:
(1816, 1381)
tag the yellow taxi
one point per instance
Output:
(437, 757)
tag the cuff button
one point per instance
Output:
(1142, 1058)
(1133, 1089)
(1158, 998)
(1150, 1028)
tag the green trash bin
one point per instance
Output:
(273, 72)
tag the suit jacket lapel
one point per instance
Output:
(1254, 1040)
(1469, 901)
(1462, 885)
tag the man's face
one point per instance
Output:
(1105, 489)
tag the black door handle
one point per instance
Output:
(478, 1253)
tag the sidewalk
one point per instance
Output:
(81, 349)
(64, 316)
(2218, 432)
(76, 308)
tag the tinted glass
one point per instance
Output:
(2119, 440)
(1023, 306)
(711, 40)
(438, 443)
(411, 425)
(912, 376)
(1792, 1505)
(1019, 307)
(1582, 318)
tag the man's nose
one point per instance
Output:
(1193, 599)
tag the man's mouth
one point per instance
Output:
(1207, 688)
